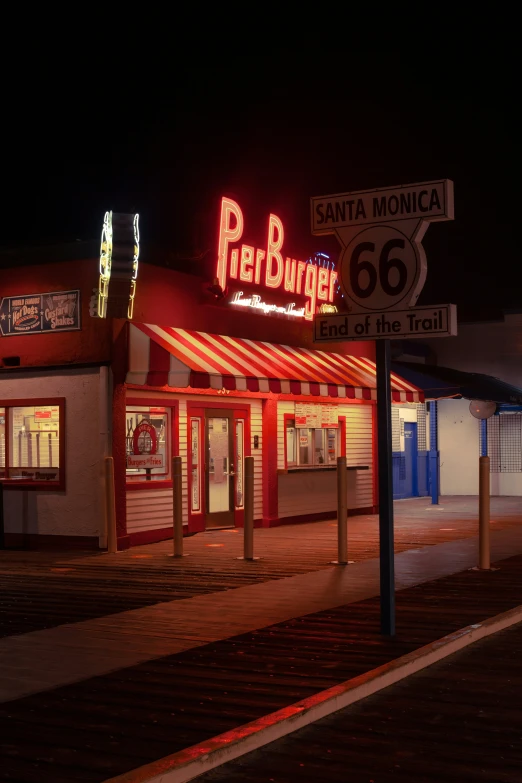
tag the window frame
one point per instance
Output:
(341, 444)
(156, 402)
(30, 484)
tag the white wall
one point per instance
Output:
(78, 511)
(314, 492)
(459, 448)
(507, 484)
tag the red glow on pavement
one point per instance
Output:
(137, 557)
(214, 545)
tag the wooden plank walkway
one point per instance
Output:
(43, 589)
(457, 721)
(104, 726)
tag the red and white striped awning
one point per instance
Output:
(166, 356)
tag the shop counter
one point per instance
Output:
(309, 492)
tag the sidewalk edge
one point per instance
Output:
(185, 765)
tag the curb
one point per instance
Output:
(188, 764)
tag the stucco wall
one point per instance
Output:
(459, 448)
(77, 511)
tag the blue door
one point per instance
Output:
(411, 488)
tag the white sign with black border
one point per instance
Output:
(429, 321)
(382, 264)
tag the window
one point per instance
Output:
(147, 443)
(32, 443)
(195, 463)
(308, 447)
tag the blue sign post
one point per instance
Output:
(56, 311)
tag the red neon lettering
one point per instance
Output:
(322, 284)
(246, 273)
(290, 266)
(333, 280)
(310, 290)
(273, 280)
(234, 262)
(301, 266)
(227, 234)
(260, 255)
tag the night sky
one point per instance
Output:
(170, 134)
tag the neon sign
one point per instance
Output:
(266, 267)
(105, 265)
(257, 303)
(119, 233)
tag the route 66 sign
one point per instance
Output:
(383, 264)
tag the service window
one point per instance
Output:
(148, 443)
(308, 447)
(32, 443)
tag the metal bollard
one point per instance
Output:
(248, 532)
(177, 508)
(484, 514)
(248, 525)
(110, 507)
(342, 513)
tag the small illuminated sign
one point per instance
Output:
(52, 312)
(267, 267)
(255, 302)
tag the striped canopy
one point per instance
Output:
(166, 356)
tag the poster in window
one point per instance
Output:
(316, 415)
(239, 464)
(194, 434)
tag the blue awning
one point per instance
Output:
(439, 383)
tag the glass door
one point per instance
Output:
(220, 473)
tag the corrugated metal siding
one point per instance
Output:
(359, 429)
(149, 510)
(256, 428)
(314, 492)
(282, 408)
(182, 431)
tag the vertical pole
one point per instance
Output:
(342, 513)
(110, 506)
(484, 511)
(103, 418)
(177, 507)
(248, 530)
(483, 437)
(384, 435)
(2, 528)
(434, 454)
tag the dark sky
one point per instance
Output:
(169, 134)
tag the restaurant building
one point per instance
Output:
(211, 364)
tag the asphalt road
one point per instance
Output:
(457, 721)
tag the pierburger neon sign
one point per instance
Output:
(267, 268)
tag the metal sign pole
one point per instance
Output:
(384, 445)
(382, 271)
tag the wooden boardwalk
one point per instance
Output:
(104, 726)
(458, 721)
(46, 589)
